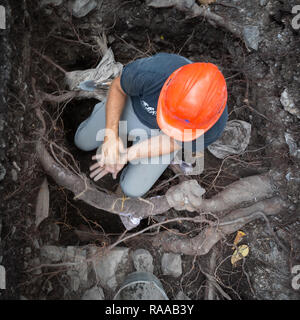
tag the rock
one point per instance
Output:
(81, 8)
(74, 279)
(269, 269)
(181, 296)
(251, 36)
(263, 2)
(95, 293)
(288, 104)
(2, 172)
(180, 4)
(142, 260)
(14, 175)
(2, 278)
(52, 253)
(51, 2)
(185, 196)
(53, 230)
(171, 264)
(27, 251)
(234, 139)
(111, 268)
(33, 264)
(80, 269)
(36, 244)
(2, 124)
(292, 143)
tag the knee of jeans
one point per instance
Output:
(81, 143)
(132, 191)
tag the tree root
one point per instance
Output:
(194, 10)
(205, 240)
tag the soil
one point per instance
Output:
(255, 82)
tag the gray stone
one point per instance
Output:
(34, 263)
(181, 296)
(51, 2)
(95, 293)
(142, 260)
(263, 2)
(36, 244)
(289, 104)
(293, 146)
(2, 124)
(171, 264)
(74, 279)
(2, 172)
(52, 253)
(269, 269)
(251, 36)
(181, 4)
(14, 175)
(2, 278)
(54, 231)
(27, 251)
(111, 268)
(81, 8)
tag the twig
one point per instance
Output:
(209, 292)
(50, 61)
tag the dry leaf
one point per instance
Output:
(238, 238)
(42, 203)
(239, 253)
(206, 1)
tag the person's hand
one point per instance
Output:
(112, 159)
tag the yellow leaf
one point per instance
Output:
(238, 238)
(162, 37)
(239, 253)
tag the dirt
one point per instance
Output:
(255, 82)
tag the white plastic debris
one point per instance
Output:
(234, 140)
(106, 70)
(128, 221)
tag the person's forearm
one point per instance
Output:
(114, 106)
(153, 147)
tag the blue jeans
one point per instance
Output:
(136, 178)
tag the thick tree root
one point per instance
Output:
(205, 240)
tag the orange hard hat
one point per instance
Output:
(193, 97)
